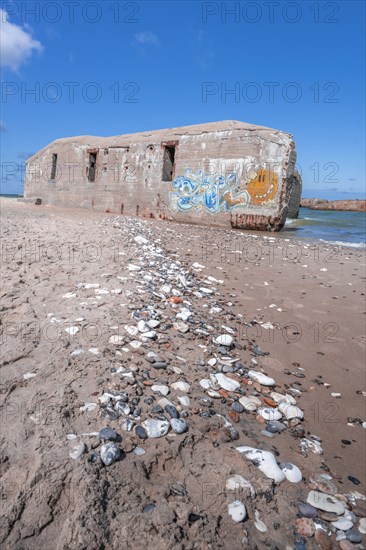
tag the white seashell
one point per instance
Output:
(259, 524)
(362, 526)
(236, 482)
(212, 362)
(180, 326)
(133, 267)
(213, 393)
(328, 503)
(87, 286)
(116, 339)
(72, 330)
(278, 397)
(269, 414)
(88, 407)
(153, 323)
(181, 386)
(184, 400)
(290, 411)
(135, 344)
(205, 383)
(224, 340)
(29, 375)
(156, 428)
(69, 295)
(131, 329)
(226, 383)
(261, 378)
(164, 390)
(292, 472)
(149, 334)
(77, 352)
(206, 290)
(265, 462)
(250, 403)
(237, 511)
(143, 326)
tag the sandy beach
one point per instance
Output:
(76, 285)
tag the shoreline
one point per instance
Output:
(283, 234)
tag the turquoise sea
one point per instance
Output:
(341, 228)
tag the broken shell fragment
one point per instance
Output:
(265, 462)
(261, 378)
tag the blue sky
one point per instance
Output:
(107, 68)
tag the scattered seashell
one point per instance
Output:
(265, 462)
(116, 339)
(237, 511)
(290, 411)
(328, 503)
(259, 524)
(29, 375)
(224, 340)
(181, 386)
(261, 378)
(226, 383)
(292, 472)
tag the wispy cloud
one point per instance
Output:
(16, 43)
(2, 126)
(147, 38)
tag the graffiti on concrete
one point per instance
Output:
(214, 193)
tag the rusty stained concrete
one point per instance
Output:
(129, 171)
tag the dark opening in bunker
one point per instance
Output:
(92, 166)
(168, 162)
(54, 166)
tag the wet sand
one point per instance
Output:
(302, 304)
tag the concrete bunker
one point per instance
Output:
(228, 173)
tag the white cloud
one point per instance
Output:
(2, 126)
(16, 43)
(148, 38)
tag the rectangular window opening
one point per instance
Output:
(168, 162)
(54, 166)
(92, 166)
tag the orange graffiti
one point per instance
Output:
(263, 187)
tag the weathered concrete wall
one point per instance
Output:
(226, 173)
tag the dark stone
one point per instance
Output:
(140, 432)
(156, 409)
(172, 411)
(307, 510)
(148, 508)
(159, 365)
(237, 407)
(354, 480)
(109, 434)
(194, 517)
(346, 442)
(354, 535)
